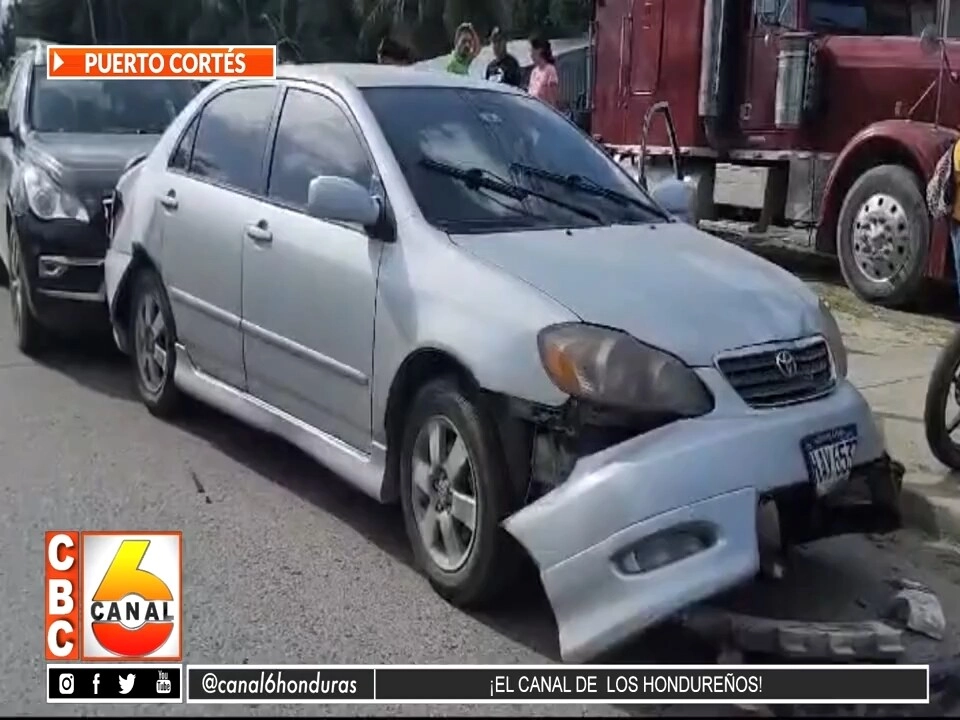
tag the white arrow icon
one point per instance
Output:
(57, 61)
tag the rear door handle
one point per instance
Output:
(169, 201)
(258, 233)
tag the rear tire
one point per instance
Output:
(152, 342)
(885, 202)
(942, 383)
(441, 417)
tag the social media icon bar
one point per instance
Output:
(114, 683)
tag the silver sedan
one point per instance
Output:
(445, 292)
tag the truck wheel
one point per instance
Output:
(883, 236)
(454, 493)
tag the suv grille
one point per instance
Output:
(783, 374)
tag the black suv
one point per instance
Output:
(63, 146)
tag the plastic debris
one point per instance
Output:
(918, 608)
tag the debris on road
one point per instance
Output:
(793, 639)
(918, 609)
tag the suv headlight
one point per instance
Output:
(612, 368)
(49, 201)
(831, 331)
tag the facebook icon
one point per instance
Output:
(96, 683)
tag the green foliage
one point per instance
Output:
(314, 30)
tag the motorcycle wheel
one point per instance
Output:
(943, 385)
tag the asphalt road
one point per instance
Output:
(283, 563)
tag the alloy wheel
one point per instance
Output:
(16, 286)
(151, 343)
(444, 490)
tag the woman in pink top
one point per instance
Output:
(544, 81)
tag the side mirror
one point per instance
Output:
(676, 197)
(342, 200)
(5, 129)
(930, 39)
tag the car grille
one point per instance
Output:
(783, 374)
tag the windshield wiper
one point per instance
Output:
(476, 178)
(589, 187)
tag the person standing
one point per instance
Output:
(544, 80)
(466, 47)
(504, 67)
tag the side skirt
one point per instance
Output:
(363, 471)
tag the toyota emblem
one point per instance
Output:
(786, 363)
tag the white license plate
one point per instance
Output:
(829, 456)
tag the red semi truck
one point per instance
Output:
(814, 123)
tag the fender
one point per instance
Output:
(915, 145)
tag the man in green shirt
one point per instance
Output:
(466, 48)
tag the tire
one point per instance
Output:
(155, 383)
(908, 223)
(32, 336)
(935, 406)
(492, 560)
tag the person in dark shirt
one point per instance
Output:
(504, 67)
(392, 52)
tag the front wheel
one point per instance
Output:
(455, 491)
(153, 351)
(883, 236)
(32, 337)
(940, 420)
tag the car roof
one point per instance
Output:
(363, 76)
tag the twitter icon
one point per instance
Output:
(126, 683)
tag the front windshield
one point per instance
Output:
(505, 136)
(870, 17)
(105, 106)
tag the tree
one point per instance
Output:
(313, 30)
(8, 40)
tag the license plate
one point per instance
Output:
(829, 456)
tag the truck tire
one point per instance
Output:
(883, 236)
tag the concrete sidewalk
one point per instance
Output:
(891, 356)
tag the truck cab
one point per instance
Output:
(783, 108)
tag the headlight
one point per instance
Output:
(48, 201)
(831, 331)
(612, 368)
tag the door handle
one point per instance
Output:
(169, 201)
(258, 233)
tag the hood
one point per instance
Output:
(87, 162)
(669, 285)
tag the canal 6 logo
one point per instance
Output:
(131, 590)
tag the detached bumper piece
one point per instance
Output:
(869, 503)
(794, 639)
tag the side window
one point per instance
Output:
(314, 137)
(776, 13)
(232, 135)
(180, 160)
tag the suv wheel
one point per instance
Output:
(31, 335)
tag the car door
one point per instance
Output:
(212, 183)
(308, 285)
(12, 103)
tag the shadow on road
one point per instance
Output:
(95, 363)
(938, 299)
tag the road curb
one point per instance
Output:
(921, 511)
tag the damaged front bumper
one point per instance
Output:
(662, 521)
